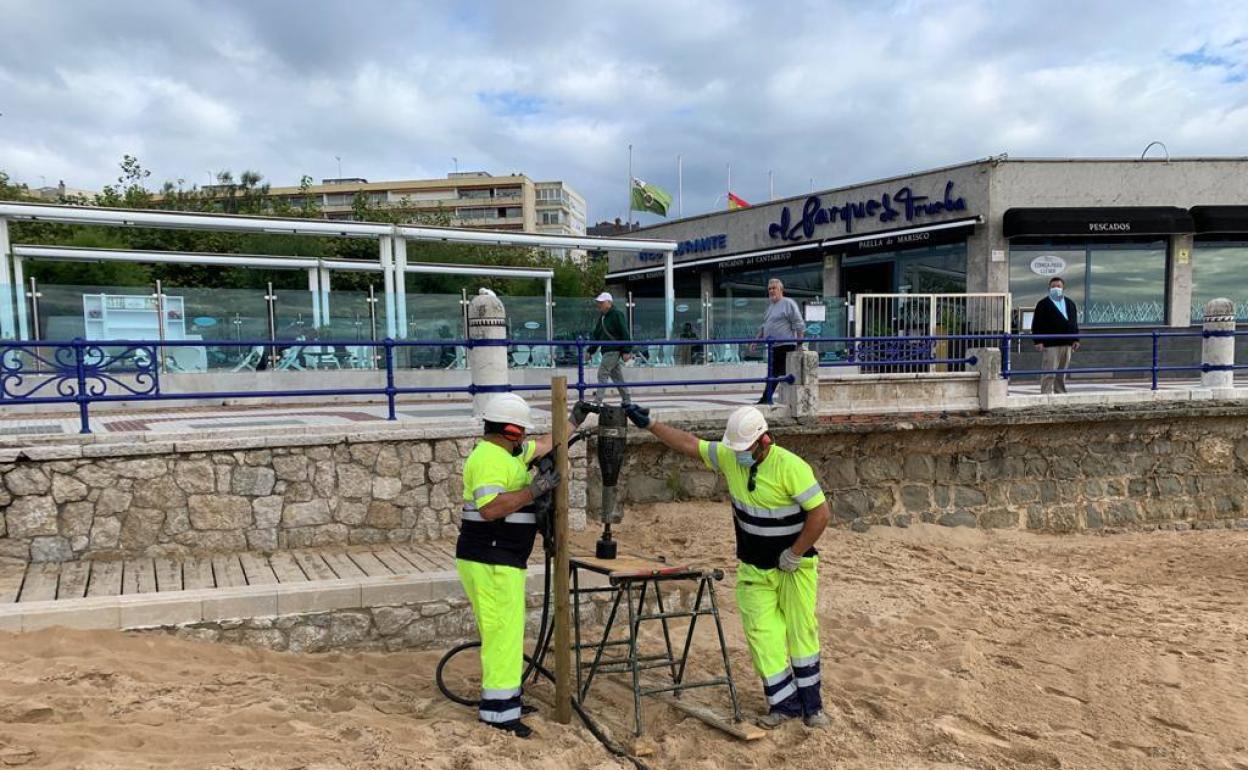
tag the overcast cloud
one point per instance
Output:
(837, 92)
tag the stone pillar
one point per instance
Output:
(487, 363)
(993, 388)
(802, 397)
(1217, 350)
(832, 276)
(1179, 267)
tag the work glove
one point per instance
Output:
(789, 561)
(543, 482)
(639, 415)
(580, 411)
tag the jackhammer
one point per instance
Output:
(612, 439)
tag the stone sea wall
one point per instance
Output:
(1051, 471)
(153, 500)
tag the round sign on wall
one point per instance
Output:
(532, 325)
(1048, 265)
(682, 308)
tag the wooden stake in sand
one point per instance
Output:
(563, 637)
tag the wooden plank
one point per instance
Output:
(74, 577)
(287, 568)
(436, 560)
(372, 566)
(138, 576)
(342, 566)
(742, 730)
(228, 571)
(168, 575)
(41, 580)
(314, 566)
(105, 578)
(197, 574)
(397, 564)
(11, 578)
(257, 570)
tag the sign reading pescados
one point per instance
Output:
(887, 208)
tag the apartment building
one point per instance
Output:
(470, 199)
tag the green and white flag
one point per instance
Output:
(652, 198)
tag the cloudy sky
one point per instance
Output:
(830, 91)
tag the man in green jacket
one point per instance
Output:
(611, 326)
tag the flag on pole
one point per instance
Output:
(737, 202)
(649, 197)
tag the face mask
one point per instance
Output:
(1055, 293)
(745, 459)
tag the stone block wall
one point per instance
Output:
(1172, 467)
(186, 498)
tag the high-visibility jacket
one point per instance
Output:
(489, 471)
(769, 518)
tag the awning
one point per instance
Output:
(1220, 219)
(1098, 221)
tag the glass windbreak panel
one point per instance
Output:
(95, 312)
(736, 318)
(349, 322)
(297, 332)
(1220, 271)
(432, 317)
(574, 317)
(526, 321)
(220, 316)
(1031, 268)
(835, 323)
(1127, 284)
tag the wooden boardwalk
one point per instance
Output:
(86, 579)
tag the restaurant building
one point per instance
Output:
(1140, 243)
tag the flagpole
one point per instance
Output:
(730, 183)
(771, 188)
(629, 221)
(680, 190)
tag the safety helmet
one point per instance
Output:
(508, 409)
(744, 427)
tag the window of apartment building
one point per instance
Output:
(1114, 284)
(339, 199)
(1218, 271)
(551, 218)
(507, 192)
(476, 194)
(477, 213)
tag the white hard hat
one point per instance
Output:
(604, 297)
(744, 427)
(508, 409)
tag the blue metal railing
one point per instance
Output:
(84, 372)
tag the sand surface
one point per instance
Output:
(942, 649)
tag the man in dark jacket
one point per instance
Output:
(1055, 314)
(611, 326)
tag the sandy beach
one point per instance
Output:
(943, 648)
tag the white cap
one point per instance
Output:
(604, 297)
(744, 427)
(509, 409)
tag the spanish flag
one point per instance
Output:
(737, 202)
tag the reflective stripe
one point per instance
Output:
(786, 692)
(513, 692)
(777, 678)
(488, 489)
(767, 513)
(809, 660)
(500, 717)
(813, 490)
(752, 529)
(472, 514)
(808, 681)
(713, 453)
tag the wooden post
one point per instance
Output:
(563, 640)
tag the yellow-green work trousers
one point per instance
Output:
(778, 612)
(497, 596)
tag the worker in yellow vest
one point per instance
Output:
(495, 539)
(779, 511)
